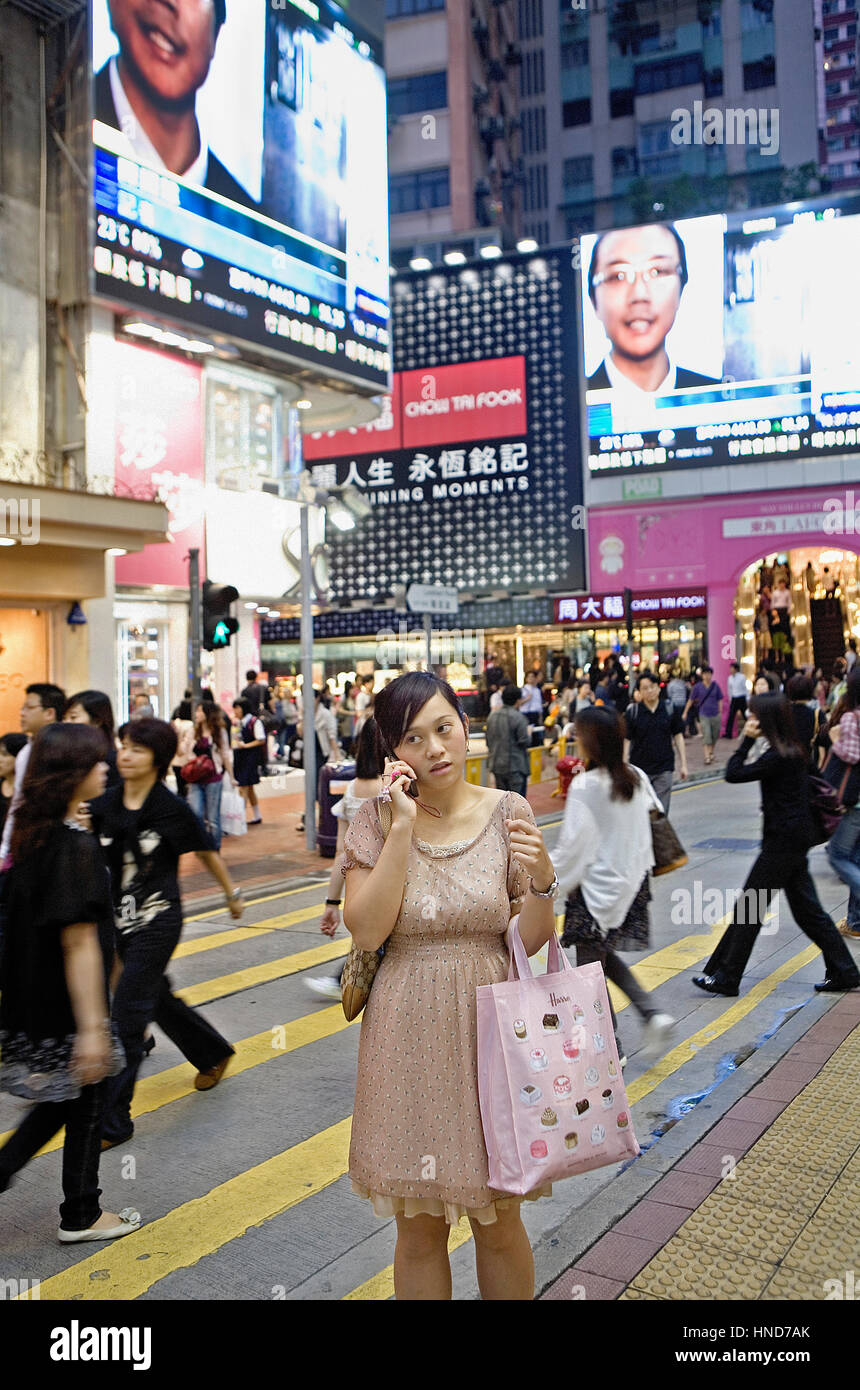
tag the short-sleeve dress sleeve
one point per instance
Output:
(184, 833)
(519, 878)
(77, 888)
(364, 840)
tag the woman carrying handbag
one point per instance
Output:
(602, 858)
(212, 746)
(458, 863)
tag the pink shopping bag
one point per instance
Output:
(553, 1102)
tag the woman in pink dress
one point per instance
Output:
(439, 892)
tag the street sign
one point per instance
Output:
(431, 598)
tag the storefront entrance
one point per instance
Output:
(798, 607)
(23, 660)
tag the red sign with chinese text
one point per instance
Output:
(159, 440)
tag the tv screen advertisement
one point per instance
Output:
(717, 340)
(240, 176)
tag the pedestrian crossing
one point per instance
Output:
(211, 1220)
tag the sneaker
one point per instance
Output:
(326, 985)
(656, 1033)
(622, 1060)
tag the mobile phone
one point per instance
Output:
(412, 790)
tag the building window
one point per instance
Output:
(621, 102)
(534, 130)
(530, 19)
(712, 27)
(428, 188)
(756, 14)
(427, 91)
(624, 160)
(532, 78)
(714, 83)
(683, 71)
(657, 152)
(580, 169)
(535, 195)
(575, 54)
(760, 74)
(576, 112)
(398, 9)
(578, 224)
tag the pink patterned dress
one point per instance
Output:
(417, 1140)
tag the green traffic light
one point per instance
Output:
(221, 635)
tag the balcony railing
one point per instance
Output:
(30, 468)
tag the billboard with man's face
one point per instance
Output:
(240, 175)
(722, 339)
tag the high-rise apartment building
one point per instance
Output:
(839, 126)
(455, 166)
(601, 79)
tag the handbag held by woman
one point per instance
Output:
(361, 966)
(552, 1098)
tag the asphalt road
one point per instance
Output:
(244, 1189)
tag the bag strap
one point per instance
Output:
(384, 816)
(520, 966)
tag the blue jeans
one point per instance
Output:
(205, 802)
(843, 851)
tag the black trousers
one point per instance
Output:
(81, 1152)
(737, 707)
(780, 865)
(621, 975)
(143, 996)
(512, 783)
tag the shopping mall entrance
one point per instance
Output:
(801, 604)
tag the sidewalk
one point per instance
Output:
(765, 1206)
(273, 853)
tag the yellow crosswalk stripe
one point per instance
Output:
(254, 902)
(175, 1083)
(194, 945)
(263, 973)
(381, 1286)
(129, 1267)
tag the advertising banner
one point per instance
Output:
(240, 175)
(159, 439)
(722, 339)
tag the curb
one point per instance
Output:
(561, 1249)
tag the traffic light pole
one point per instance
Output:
(196, 619)
(308, 705)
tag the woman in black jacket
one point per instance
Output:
(787, 836)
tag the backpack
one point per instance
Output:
(633, 707)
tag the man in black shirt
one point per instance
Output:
(254, 693)
(653, 726)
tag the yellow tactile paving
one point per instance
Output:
(774, 1231)
(686, 1270)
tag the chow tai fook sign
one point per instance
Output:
(607, 610)
(472, 468)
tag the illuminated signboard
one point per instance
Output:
(607, 610)
(240, 176)
(722, 339)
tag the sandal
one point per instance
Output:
(129, 1221)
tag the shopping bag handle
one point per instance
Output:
(520, 965)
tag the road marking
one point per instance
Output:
(175, 1083)
(262, 974)
(129, 1267)
(195, 944)
(381, 1286)
(253, 902)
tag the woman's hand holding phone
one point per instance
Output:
(401, 780)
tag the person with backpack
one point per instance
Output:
(788, 834)
(654, 733)
(247, 737)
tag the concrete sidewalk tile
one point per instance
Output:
(751, 1229)
(652, 1220)
(706, 1159)
(686, 1269)
(794, 1071)
(680, 1189)
(595, 1289)
(825, 1247)
(736, 1135)
(633, 1295)
(797, 1286)
(810, 1052)
(619, 1257)
(773, 1089)
(756, 1109)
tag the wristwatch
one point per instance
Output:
(234, 897)
(333, 902)
(550, 892)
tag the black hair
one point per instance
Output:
(63, 756)
(852, 691)
(776, 721)
(367, 764)
(244, 705)
(397, 705)
(647, 676)
(800, 687)
(97, 705)
(51, 696)
(156, 735)
(184, 710)
(250, 675)
(667, 226)
(601, 733)
(510, 694)
(220, 15)
(707, 668)
(13, 743)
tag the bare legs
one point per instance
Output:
(503, 1258)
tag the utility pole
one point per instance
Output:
(196, 621)
(308, 706)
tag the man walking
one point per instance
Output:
(43, 704)
(739, 688)
(707, 697)
(254, 693)
(508, 743)
(653, 727)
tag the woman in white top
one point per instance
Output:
(603, 857)
(366, 785)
